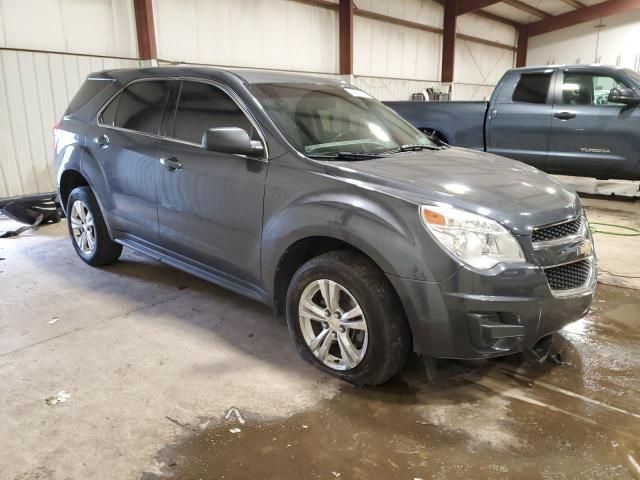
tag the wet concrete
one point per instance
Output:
(153, 359)
(497, 419)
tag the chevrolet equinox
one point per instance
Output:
(307, 194)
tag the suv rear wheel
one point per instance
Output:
(345, 318)
(88, 231)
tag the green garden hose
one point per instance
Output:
(631, 231)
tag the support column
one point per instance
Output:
(448, 40)
(345, 29)
(523, 42)
(145, 29)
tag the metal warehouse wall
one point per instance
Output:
(98, 27)
(615, 43)
(386, 50)
(35, 89)
(277, 34)
(479, 67)
(383, 49)
(390, 61)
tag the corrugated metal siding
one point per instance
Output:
(277, 34)
(35, 89)
(96, 27)
(387, 89)
(615, 43)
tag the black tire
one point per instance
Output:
(106, 251)
(389, 342)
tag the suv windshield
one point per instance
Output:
(326, 119)
(634, 75)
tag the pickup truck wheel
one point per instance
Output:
(345, 318)
(88, 231)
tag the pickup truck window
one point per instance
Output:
(327, 119)
(588, 89)
(532, 88)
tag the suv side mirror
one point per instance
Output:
(232, 140)
(623, 95)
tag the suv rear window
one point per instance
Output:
(532, 88)
(139, 106)
(87, 92)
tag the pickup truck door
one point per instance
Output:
(210, 203)
(591, 136)
(519, 117)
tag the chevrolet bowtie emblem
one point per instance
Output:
(585, 248)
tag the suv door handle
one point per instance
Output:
(172, 164)
(102, 141)
(565, 115)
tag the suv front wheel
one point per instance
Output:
(346, 319)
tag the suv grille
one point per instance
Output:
(571, 275)
(557, 231)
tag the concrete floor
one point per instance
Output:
(153, 359)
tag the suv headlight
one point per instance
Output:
(476, 240)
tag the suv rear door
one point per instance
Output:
(519, 117)
(124, 141)
(210, 206)
(591, 136)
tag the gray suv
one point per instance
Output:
(309, 195)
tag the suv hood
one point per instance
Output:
(517, 195)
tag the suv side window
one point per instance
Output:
(588, 88)
(202, 106)
(139, 106)
(532, 88)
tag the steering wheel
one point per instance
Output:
(341, 136)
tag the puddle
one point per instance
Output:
(495, 419)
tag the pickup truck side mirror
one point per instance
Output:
(232, 140)
(623, 95)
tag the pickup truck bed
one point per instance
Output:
(458, 123)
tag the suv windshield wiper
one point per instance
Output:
(413, 147)
(346, 156)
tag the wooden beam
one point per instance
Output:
(586, 14)
(426, 28)
(536, 12)
(145, 29)
(521, 52)
(468, 6)
(496, 18)
(448, 41)
(396, 21)
(489, 16)
(345, 31)
(482, 41)
(574, 3)
(319, 3)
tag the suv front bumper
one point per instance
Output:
(472, 315)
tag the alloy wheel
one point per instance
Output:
(333, 324)
(83, 227)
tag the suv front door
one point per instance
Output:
(591, 136)
(124, 140)
(210, 203)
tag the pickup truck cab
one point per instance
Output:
(310, 196)
(581, 120)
